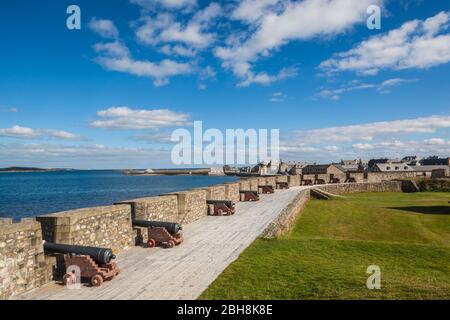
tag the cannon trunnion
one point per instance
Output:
(221, 207)
(92, 263)
(166, 234)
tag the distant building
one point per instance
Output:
(352, 165)
(390, 167)
(349, 162)
(435, 161)
(427, 170)
(323, 169)
(411, 160)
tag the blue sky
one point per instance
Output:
(110, 94)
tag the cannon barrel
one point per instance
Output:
(99, 255)
(226, 202)
(171, 227)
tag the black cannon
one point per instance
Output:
(221, 207)
(99, 255)
(167, 234)
(171, 227)
(93, 263)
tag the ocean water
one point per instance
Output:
(35, 193)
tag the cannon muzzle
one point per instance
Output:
(171, 227)
(99, 255)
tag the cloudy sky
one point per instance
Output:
(109, 95)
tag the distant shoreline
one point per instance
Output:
(27, 169)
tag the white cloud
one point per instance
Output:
(105, 28)
(263, 78)
(435, 142)
(115, 56)
(252, 10)
(135, 119)
(10, 110)
(178, 50)
(169, 4)
(29, 133)
(158, 137)
(384, 87)
(80, 156)
(363, 146)
(289, 21)
(416, 44)
(19, 132)
(164, 28)
(367, 132)
(277, 97)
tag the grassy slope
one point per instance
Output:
(333, 243)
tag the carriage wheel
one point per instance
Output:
(67, 278)
(151, 243)
(170, 244)
(96, 280)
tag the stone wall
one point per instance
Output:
(341, 176)
(161, 208)
(388, 176)
(306, 177)
(215, 192)
(294, 181)
(262, 181)
(323, 176)
(23, 265)
(358, 176)
(108, 226)
(387, 186)
(282, 178)
(232, 191)
(284, 222)
(244, 185)
(254, 183)
(191, 205)
(271, 181)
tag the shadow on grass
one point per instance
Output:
(444, 210)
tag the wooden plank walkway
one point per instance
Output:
(185, 271)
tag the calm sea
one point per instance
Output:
(35, 193)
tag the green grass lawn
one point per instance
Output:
(327, 253)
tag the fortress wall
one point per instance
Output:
(387, 176)
(191, 205)
(108, 226)
(294, 181)
(23, 265)
(232, 191)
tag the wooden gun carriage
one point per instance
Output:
(248, 195)
(266, 189)
(93, 263)
(166, 234)
(282, 185)
(221, 207)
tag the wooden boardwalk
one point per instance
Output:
(185, 271)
